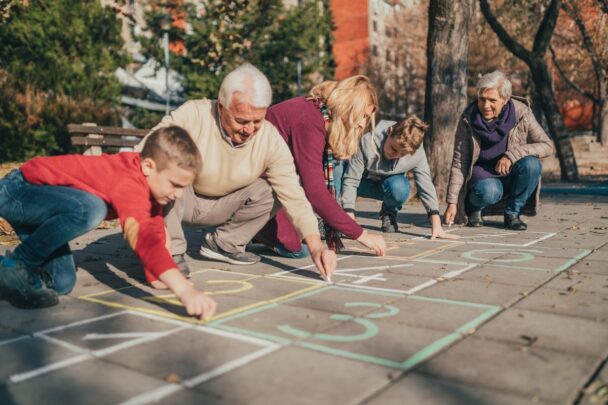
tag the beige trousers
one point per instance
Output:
(238, 216)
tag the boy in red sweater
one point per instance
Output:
(52, 200)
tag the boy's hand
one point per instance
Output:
(373, 241)
(197, 303)
(351, 215)
(323, 258)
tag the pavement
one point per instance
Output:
(496, 317)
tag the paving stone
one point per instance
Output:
(92, 381)
(23, 355)
(419, 389)
(548, 331)
(548, 375)
(586, 266)
(572, 282)
(577, 304)
(297, 376)
(163, 303)
(184, 355)
(506, 275)
(67, 311)
(599, 255)
(193, 397)
(109, 331)
(476, 291)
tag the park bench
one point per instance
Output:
(100, 138)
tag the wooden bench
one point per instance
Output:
(96, 138)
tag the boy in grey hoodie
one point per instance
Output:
(379, 171)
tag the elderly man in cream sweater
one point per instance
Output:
(247, 173)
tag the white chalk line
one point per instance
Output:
(284, 272)
(16, 378)
(169, 389)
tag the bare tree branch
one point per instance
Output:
(571, 83)
(512, 45)
(574, 13)
(547, 25)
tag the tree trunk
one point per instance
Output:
(557, 129)
(603, 132)
(446, 83)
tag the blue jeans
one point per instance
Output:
(392, 191)
(518, 185)
(46, 218)
(281, 251)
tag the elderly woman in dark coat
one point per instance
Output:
(496, 152)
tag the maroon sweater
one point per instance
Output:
(301, 125)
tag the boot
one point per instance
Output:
(513, 222)
(389, 222)
(475, 219)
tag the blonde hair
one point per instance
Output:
(408, 134)
(346, 101)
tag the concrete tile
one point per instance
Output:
(185, 355)
(578, 304)
(141, 298)
(419, 389)
(24, 355)
(547, 375)
(573, 281)
(33, 320)
(106, 332)
(506, 275)
(193, 397)
(586, 266)
(297, 376)
(476, 291)
(556, 332)
(92, 381)
(600, 255)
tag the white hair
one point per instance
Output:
(495, 80)
(251, 84)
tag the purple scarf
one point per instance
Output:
(493, 138)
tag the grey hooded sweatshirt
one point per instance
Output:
(369, 163)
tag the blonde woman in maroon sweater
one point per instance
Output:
(320, 129)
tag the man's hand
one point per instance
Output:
(352, 215)
(503, 166)
(438, 232)
(373, 241)
(195, 302)
(323, 258)
(450, 214)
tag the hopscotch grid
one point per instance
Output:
(85, 354)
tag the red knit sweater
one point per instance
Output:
(119, 181)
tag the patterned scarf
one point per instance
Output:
(332, 237)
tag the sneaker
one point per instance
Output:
(389, 222)
(24, 288)
(211, 250)
(182, 266)
(513, 222)
(475, 219)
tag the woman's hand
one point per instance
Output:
(373, 241)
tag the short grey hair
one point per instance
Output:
(495, 80)
(250, 82)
